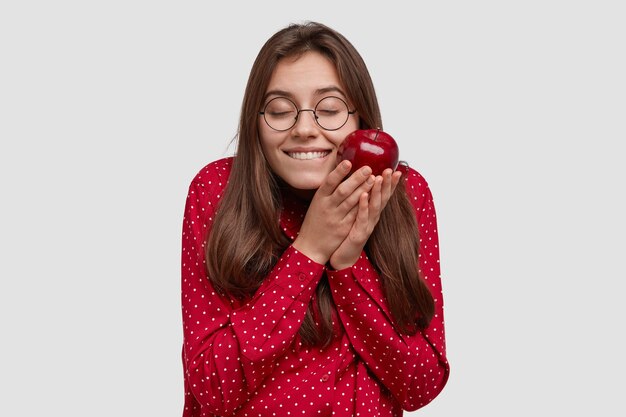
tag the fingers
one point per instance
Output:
(335, 177)
(390, 181)
(349, 196)
(370, 205)
(361, 224)
(350, 249)
(364, 216)
(337, 184)
(360, 181)
(361, 227)
(376, 196)
(382, 191)
(395, 180)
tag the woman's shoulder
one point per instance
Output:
(416, 184)
(207, 186)
(214, 173)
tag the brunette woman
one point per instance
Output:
(307, 291)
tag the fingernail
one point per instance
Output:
(366, 171)
(370, 180)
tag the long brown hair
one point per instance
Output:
(246, 241)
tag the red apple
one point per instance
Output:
(371, 147)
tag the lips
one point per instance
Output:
(304, 156)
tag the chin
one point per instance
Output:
(305, 184)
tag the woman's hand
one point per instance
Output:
(368, 213)
(333, 211)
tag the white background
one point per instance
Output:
(513, 111)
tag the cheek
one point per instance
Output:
(338, 137)
(269, 147)
(266, 141)
(354, 123)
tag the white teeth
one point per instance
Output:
(307, 155)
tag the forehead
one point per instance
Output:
(303, 76)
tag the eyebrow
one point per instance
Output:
(318, 92)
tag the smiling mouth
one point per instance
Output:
(307, 155)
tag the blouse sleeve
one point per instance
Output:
(413, 367)
(229, 350)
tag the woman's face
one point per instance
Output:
(306, 153)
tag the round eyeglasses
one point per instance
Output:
(330, 113)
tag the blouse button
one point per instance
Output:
(325, 378)
(301, 276)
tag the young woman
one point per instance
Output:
(307, 291)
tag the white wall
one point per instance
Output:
(513, 111)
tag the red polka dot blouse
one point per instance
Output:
(246, 359)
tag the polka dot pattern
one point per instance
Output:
(246, 358)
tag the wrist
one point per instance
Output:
(339, 264)
(309, 251)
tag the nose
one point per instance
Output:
(306, 125)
